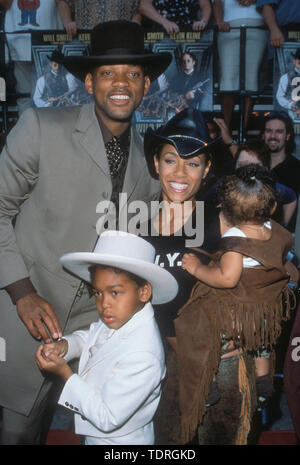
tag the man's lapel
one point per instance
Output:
(88, 134)
(135, 166)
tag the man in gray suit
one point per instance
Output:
(56, 167)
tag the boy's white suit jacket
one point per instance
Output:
(118, 386)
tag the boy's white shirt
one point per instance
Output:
(117, 389)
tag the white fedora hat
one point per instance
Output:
(129, 253)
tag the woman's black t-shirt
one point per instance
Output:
(169, 253)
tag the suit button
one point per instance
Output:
(67, 404)
(71, 406)
(76, 409)
(83, 418)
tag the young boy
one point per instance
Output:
(117, 389)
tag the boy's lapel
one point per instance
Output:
(97, 353)
(98, 349)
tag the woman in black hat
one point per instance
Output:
(178, 154)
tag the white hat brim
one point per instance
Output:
(164, 285)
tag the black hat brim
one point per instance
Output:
(297, 54)
(156, 64)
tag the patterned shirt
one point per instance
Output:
(181, 12)
(88, 13)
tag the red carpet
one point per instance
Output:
(278, 438)
(62, 438)
(267, 438)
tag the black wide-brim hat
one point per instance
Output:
(297, 54)
(186, 131)
(56, 56)
(117, 43)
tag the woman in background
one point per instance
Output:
(229, 16)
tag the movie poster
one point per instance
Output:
(53, 85)
(287, 80)
(187, 82)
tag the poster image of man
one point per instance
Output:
(186, 83)
(288, 89)
(55, 86)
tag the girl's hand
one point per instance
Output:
(52, 363)
(191, 263)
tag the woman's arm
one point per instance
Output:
(137, 18)
(226, 276)
(276, 36)
(288, 211)
(147, 9)
(64, 11)
(219, 16)
(5, 4)
(226, 136)
(206, 10)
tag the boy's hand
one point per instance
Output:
(53, 363)
(191, 263)
(60, 348)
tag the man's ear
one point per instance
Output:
(88, 82)
(147, 84)
(156, 163)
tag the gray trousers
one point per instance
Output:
(19, 429)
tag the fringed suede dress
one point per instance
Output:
(250, 315)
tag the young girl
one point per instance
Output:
(236, 307)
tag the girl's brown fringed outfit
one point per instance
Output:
(250, 315)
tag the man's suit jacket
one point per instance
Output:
(117, 389)
(53, 173)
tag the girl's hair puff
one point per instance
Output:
(249, 195)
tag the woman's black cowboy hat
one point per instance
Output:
(186, 131)
(118, 42)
